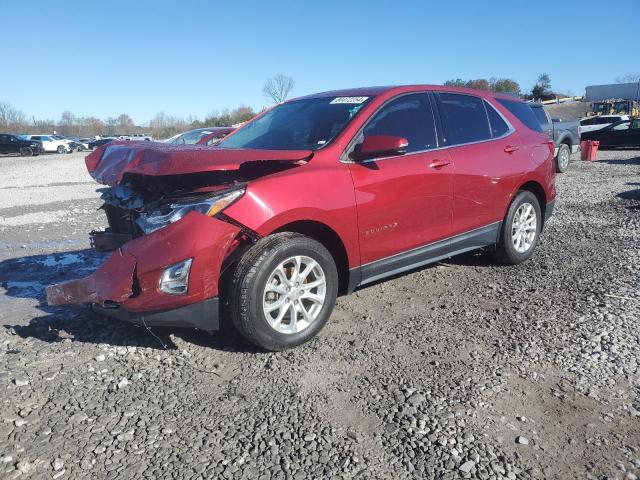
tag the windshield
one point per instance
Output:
(306, 124)
(620, 107)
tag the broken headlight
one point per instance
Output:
(171, 213)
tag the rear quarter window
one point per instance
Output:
(498, 126)
(523, 112)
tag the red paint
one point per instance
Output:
(377, 209)
(206, 240)
(109, 163)
(112, 281)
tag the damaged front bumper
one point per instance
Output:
(126, 286)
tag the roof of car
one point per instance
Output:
(373, 91)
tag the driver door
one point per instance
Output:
(404, 202)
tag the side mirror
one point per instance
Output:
(556, 120)
(379, 146)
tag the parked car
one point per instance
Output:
(98, 143)
(625, 133)
(316, 197)
(135, 137)
(50, 143)
(75, 146)
(564, 134)
(14, 144)
(588, 124)
(201, 136)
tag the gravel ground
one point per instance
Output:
(461, 370)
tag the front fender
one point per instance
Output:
(322, 195)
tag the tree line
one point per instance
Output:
(162, 125)
(541, 89)
(277, 88)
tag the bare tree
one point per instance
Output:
(628, 79)
(10, 118)
(278, 88)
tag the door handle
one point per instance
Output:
(438, 163)
(510, 149)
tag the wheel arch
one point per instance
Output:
(328, 237)
(537, 189)
(567, 140)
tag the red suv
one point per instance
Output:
(314, 198)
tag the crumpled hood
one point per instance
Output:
(109, 163)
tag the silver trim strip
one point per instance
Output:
(428, 244)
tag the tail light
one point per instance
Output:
(551, 145)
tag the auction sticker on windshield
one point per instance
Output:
(349, 100)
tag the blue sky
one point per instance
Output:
(192, 57)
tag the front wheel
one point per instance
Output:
(61, 149)
(283, 291)
(563, 158)
(520, 230)
(26, 152)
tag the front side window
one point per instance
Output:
(305, 124)
(523, 112)
(409, 116)
(635, 124)
(465, 118)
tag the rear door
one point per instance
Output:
(403, 201)
(488, 163)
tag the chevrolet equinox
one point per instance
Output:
(313, 198)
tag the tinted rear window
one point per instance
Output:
(524, 113)
(540, 115)
(465, 118)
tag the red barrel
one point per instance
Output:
(589, 149)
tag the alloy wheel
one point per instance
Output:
(524, 227)
(294, 294)
(563, 158)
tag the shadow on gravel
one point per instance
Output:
(626, 161)
(633, 194)
(476, 258)
(27, 277)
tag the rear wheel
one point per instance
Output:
(26, 152)
(563, 158)
(520, 229)
(283, 291)
(61, 149)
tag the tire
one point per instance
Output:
(26, 152)
(563, 158)
(258, 268)
(506, 250)
(61, 149)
